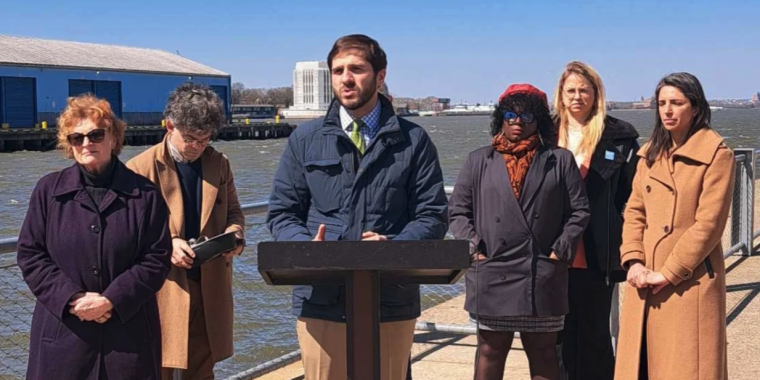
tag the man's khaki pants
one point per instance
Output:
(323, 348)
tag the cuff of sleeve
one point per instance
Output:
(477, 245)
(124, 311)
(68, 292)
(234, 227)
(564, 250)
(299, 237)
(675, 272)
(629, 256)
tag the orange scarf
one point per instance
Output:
(518, 156)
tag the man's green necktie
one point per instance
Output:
(356, 135)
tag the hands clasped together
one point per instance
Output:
(91, 306)
(641, 277)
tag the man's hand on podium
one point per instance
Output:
(320, 233)
(367, 236)
(373, 236)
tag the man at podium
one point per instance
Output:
(359, 173)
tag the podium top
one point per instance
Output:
(398, 262)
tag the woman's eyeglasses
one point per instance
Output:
(511, 117)
(95, 136)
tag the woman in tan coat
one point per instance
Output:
(673, 323)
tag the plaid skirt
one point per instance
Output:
(519, 324)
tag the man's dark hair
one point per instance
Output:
(525, 103)
(195, 108)
(365, 46)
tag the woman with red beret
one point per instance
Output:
(522, 205)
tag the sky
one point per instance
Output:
(464, 50)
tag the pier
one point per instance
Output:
(38, 139)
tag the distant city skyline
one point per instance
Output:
(641, 98)
(323, 65)
(466, 51)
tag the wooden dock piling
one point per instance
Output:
(32, 139)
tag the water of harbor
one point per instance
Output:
(264, 329)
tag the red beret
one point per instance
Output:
(525, 89)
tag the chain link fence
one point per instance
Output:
(732, 231)
(16, 306)
(264, 327)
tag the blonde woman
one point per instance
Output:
(605, 151)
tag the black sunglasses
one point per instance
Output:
(511, 117)
(95, 136)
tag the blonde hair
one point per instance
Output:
(595, 122)
(89, 107)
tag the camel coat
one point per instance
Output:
(220, 212)
(674, 221)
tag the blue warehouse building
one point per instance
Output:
(37, 76)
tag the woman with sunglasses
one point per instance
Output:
(605, 152)
(521, 204)
(94, 249)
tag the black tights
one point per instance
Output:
(493, 348)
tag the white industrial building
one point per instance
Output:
(312, 91)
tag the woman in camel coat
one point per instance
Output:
(673, 322)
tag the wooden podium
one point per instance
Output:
(362, 267)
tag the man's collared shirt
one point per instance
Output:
(370, 126)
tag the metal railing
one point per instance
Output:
(268, 313)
